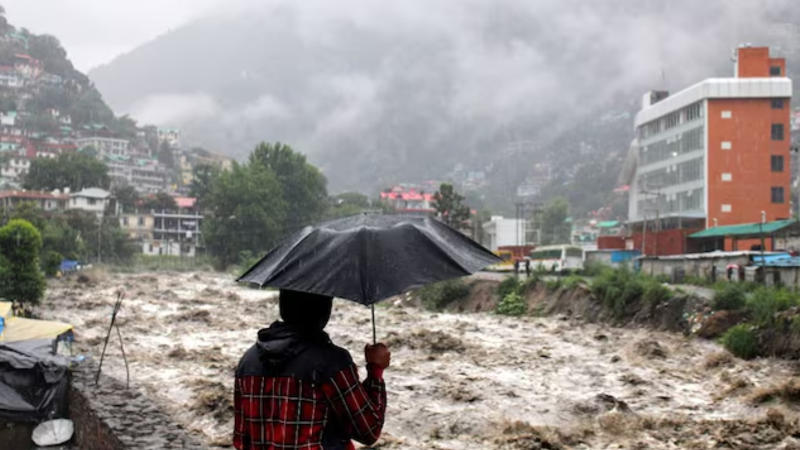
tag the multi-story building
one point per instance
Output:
(95, 200)
(500, 232)
(172, 136)
(408, 199)
(47, 201)
(104, 146)
(139, 226)
(178, 232)
(146, 175)
(715, 153)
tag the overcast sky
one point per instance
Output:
(95, 31)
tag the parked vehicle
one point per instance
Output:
(507, 265)
(557, 258)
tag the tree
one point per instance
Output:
(203, 177)
(74, 170)
(555, 228)
(347, 204)
(449, 206)
(20, 277)
(303, 185)
(159, 202)
(247, 213)
(127, 197)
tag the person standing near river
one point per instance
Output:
(295, 389)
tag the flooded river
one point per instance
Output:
(457, 381)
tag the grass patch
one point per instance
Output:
(741, 340)
(553, 285)
(437, 296)
(572, 281)
(619, 289)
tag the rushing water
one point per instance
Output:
(457, 381)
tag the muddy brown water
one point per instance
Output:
(457, 381)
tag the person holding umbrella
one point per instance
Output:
(295, 389)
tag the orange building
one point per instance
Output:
(715, 153)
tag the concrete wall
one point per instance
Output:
(110, 417)
(707, 268)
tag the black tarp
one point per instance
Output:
(369, 257)
(33, 381)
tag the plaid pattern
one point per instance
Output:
(289, 413)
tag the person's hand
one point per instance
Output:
(377, 354)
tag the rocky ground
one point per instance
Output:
(457, 381)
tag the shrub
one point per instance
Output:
(731, 297)
(507, 286)
(438, 295)
(594, 268)
(741, 341)
(20, 277)
(512, 305)
(764, 303)
(655, 292)
(51, 262)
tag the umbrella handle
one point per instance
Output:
(373, 324)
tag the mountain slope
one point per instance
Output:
(381, 93)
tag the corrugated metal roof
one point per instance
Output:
(743, 229)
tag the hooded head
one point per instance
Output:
(304, 311)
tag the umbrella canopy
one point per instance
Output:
(369, 257)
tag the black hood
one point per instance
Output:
(282, 342)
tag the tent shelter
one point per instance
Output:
(13, 329)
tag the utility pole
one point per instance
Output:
(761, 229)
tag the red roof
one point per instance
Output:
(185, 202)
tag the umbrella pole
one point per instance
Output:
(373, 324)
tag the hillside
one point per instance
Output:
(40, 84)
(479, 95)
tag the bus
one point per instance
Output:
(507, 263)
(557, 258)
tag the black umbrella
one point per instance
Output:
(369, 257)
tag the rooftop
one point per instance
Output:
(744, 229)
(771, 87)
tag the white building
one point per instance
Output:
(94, 200)
(15, 168)
(501, 232)
(104, 146)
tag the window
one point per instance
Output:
(777, 103)
(775, 71)
(726, 114)
(777, 131)
(125, 221)
(726, 207)
(777, 195)
(725, 145)
(91, 201)
(776, 162)
(727, 177)
(141, 221)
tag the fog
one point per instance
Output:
(389, 85)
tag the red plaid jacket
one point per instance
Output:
(284, 412)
